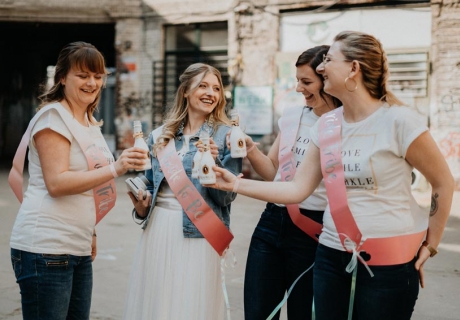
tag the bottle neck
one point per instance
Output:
(138, 134)
(235, 121)
(206, 147)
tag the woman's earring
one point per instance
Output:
(346, 87)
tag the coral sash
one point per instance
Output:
(105, 195)
(196, 208)
(376, 251)
(290, 123)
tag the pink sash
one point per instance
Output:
(382, 251)
(104, 195)
(196, 208)
(290, 123)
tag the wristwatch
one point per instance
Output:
(432, 250)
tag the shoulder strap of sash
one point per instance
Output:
(330, 141)
(290, 123)
(104, 195)
(196, 208)
(376, 251)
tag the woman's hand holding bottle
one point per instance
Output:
(250, 144)
(213, 146)
(133, 158)
(225, 180)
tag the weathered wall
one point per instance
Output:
(253, 41)
(67, 10)
(445, 81)
(129, 46)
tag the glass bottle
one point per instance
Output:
(196, 161)
(206, 173)
(237, 137)
(139, 142)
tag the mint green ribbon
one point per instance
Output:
(278, 307)
(353, 266)
(223, 264)
(352, 294)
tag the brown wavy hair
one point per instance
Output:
(77, 55)
(313, 57)
(368, 51)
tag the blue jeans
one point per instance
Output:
(279, 252)
(390, 294)
(53, 287)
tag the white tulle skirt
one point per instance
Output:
(172, 277)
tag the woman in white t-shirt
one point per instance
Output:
(381, 142)
(280, 250)
(53, 242)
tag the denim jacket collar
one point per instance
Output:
(205, 126)
(218, 200)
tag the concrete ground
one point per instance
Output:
(118, 236)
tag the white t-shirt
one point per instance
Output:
(377, 176)
(318, 200)
(62, 225)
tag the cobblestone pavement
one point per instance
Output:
(118, 236)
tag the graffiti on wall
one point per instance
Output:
(450, 145)
(450, 103)
(448, 112)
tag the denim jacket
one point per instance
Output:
(218, 200)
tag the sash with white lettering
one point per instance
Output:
(290, 123)
(196, 208)
(376, 251)
(104, 195)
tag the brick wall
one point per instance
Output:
(253, 30)
(445, 81)
(68, 10)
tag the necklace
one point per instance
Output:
(205, 126)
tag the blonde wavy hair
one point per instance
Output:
(189, 82)
(78, 55)
(368, 51)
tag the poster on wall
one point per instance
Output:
(255, 107)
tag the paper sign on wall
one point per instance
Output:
(255, 107)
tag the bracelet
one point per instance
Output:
(112, 169)
(237, 183)
(432, 250)
(252, 147)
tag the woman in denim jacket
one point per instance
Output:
(176, 272)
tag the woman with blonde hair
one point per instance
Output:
(176, 272)
(375, 239)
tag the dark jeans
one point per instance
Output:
(279, 252)
(390, 294)
(53, 287)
